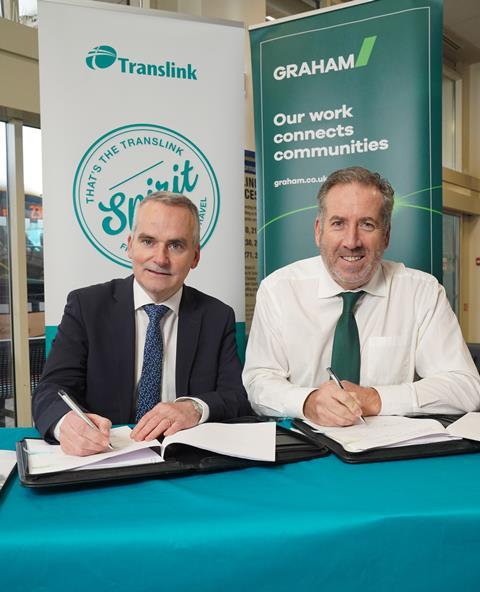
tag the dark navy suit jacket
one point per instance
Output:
(93, 356)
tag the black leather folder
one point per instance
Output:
(462, 446)
(180, 460)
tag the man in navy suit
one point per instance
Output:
(97, 356)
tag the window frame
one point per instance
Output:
(457, 79)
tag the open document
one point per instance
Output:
(387, 431)
(243, 440)
(467, 426)
(8, 460)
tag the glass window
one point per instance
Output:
(451, 259)
(7, 405)
(28, 12)
(451, 122)
(32, 170)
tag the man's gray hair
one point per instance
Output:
(364, 177)
(177, 200)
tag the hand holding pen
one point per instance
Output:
(336, 380)
(332, 405)
(83, 434)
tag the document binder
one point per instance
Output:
(180, 460)
(451, 447)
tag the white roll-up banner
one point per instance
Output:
(134, 101)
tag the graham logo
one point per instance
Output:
(104, 56)
(326, 65)
(101, 57)
(129, 163)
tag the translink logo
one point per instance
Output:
(104, 56)
(325, 65)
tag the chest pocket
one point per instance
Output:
(388, 361)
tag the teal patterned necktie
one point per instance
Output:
(150, 385)
(346, 342)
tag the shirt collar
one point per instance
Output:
(328, 287)
(140, 298)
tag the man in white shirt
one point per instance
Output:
(413, 358)
(98, 354)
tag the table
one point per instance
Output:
(316, 525)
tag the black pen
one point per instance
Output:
(335, 379)
(76, 409)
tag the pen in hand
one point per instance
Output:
(76, 409)
(336, 380)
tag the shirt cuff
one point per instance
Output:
(286, 404)
(56, 431)
(397, 399)
(301, 402)
(203, 405)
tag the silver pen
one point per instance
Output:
(335, 379)
(76, 409)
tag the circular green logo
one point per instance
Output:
(129, 163)
(101, 57)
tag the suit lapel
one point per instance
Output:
(123, 343)
(189, 324)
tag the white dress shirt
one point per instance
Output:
(169, 326)
(412, 349)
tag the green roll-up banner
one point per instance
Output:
(355, 85)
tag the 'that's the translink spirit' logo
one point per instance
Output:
(127, 164)
(104, 56)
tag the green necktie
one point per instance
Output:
(346, 343)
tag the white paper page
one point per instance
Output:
(8, 460)
(444, 437)
(144, 456)
(467, 426)
(383, 431)
(49, 458)
(254, 441)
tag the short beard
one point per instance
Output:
(363, 277)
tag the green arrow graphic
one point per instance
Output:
(365, 51)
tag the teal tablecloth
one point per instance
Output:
(317, 525)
